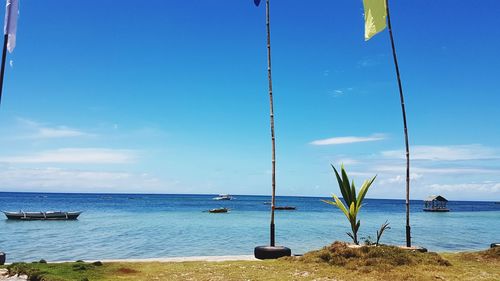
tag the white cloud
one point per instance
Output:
(436, 170)
(40, 131)
(460, 172)
(67, 180)
(27, 122)
(446, 153)
(368, 62)
(488, 187)
(60, 132)
(401, 178)
(75, 156)
(347, 140)
(346, 161)
(340, 92)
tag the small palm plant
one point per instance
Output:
(385, 226)
(353, 202)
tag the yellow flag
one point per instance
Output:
(375, 14)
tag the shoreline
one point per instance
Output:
(221, 258)
(166, 260)
(177, 259)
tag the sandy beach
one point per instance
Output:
(179, 259)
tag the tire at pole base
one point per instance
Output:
(269, 252)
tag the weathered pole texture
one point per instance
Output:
(4, 56)
(408, 229)
(273, 139)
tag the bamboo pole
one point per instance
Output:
(5, 43)
(273, 139)
(408, 229)
(2, 68)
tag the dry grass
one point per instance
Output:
(490, 255)
(331, 263)
(380, 257)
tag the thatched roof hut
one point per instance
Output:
(435, 203)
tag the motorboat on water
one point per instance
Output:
(218, 210)
(288, 208)
(50, 215)
(223, 197)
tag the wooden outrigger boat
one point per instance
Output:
(42, 215)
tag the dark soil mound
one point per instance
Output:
(125, 270)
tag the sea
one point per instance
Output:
(134, 226)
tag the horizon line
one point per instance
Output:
(211, 194)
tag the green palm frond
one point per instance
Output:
(346, 186)
(346, 193)
(364, 189)
(352, 201)
(385, 226)
(353, 193)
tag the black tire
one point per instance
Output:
(422, 250)
(269, 252)
(2, 258)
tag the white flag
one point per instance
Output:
(10, 26)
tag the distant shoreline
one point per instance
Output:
(215, 194)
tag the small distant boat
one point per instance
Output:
(51, 215)
(285, 208)
(218, 210)
(223, 197)
(267, 203)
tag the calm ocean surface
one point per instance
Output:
(116, 226)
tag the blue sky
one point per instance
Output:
(171, 97)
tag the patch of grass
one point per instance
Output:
(56, 272)
(374, 257)
(125, 270)
(382, 263)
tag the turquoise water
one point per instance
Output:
(151, 226)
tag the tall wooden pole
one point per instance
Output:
(4, 56)
(273, 140)
(408, 229)
(5, 43)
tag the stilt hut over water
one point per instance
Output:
(436, 203)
